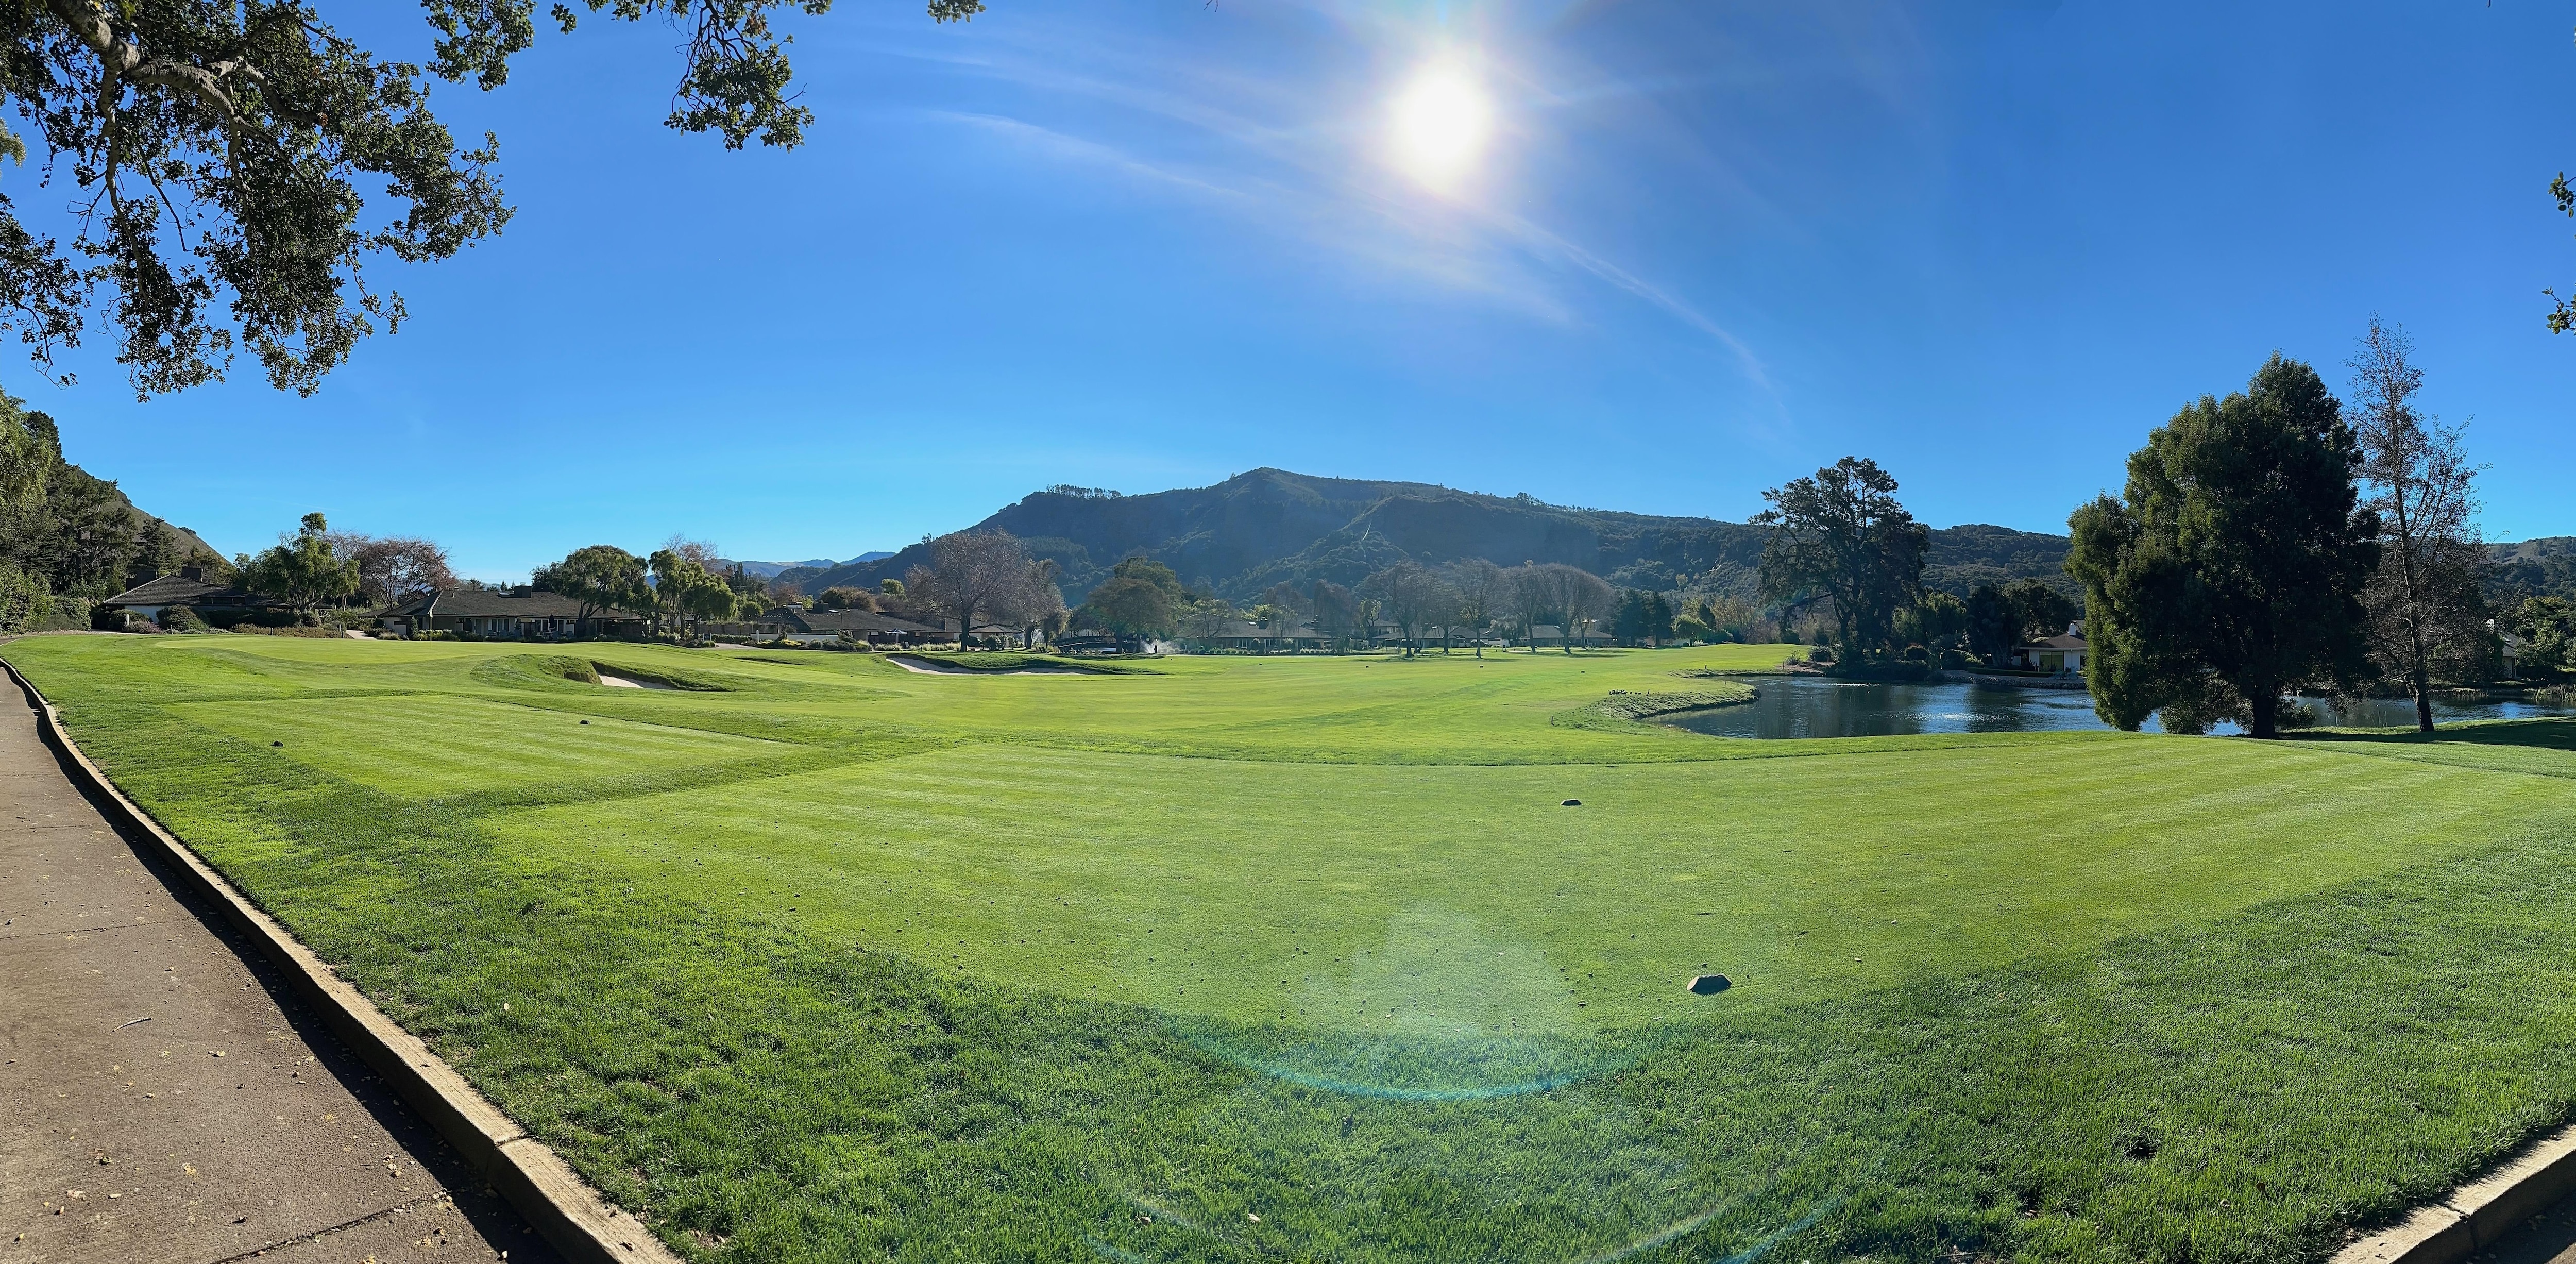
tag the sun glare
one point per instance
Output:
(1442, 122)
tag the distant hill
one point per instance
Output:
(810, 566)
(2541, 567)
(1253, 530)
(771, 570)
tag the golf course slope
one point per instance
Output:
(809, 957)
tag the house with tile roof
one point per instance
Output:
(2054, 654)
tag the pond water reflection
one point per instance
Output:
(1815, 706)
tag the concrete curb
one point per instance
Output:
(2479, 1214)
(566, 1211)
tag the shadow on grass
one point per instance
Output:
(772, 1094)
(2549, 733)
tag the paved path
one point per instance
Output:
(227, 1127)
(2550, 1238)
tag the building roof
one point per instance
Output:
(2072, 640)
(496, 603)
(858, 621)
(1242, 630)
(164, 591)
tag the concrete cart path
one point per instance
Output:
(161, 1096)
(2548, 1238)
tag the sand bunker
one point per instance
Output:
(929, 667)
(621, 682)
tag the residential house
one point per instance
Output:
(1238, 634)
(512, 614)
(213, 603)
(1550, 636)
(867, 627)
(2062, 655)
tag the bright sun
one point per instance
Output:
(1442, 122)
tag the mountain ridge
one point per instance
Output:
(1269, 525)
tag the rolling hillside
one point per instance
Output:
(2540, 567)
(1253, 530)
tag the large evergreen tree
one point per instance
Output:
(2231, 568)
(601, 577)
(1841, 534)
(302, 570)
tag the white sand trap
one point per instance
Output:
(929, 667)
(620, 682)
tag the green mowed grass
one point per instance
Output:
(430, 746)
(1468, 898)
(1246, 958)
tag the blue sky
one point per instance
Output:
(1706, 247)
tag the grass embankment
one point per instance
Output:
(1018, 660)
(840, 962)
(1627, 707)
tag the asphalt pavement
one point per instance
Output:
(2548, 1238)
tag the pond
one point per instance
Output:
(1814, 706)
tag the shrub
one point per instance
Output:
(61, 614)
(314, 633)
(22, 598)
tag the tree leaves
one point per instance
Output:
(1841, 534)
(2231, 568)
(219, 150)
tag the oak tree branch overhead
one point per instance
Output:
(214, 153)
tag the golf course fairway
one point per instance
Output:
(814, 958)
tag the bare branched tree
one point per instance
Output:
(393, 568)
(2426, 616)
(699, 551)
(1482, 595)
(971, 573)
(1571, 596)
(1034, 604)
(1411, 596)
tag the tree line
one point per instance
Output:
(987, 579)
(2275, 540)
(67, 537)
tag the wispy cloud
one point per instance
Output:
(1654, 295)
(1276, 117)
(1088, 152)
